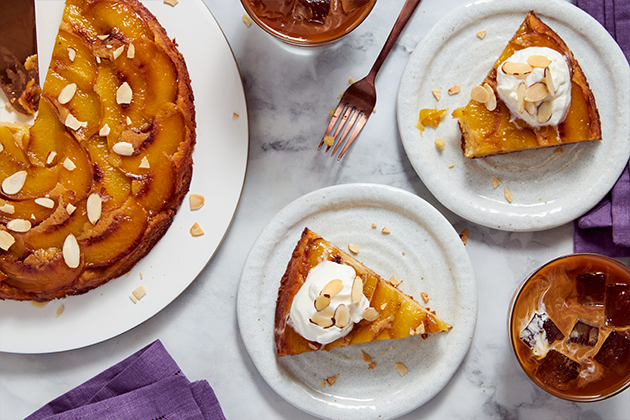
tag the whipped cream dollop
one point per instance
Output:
(559, 98)
(303, 307)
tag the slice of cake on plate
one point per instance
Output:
(328, 299)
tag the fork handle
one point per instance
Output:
(405, 14)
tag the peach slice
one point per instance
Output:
(27, 210)
(43, 270)
(114, 235)
(109, 180)
(48, 134)
(9, 139)
(53, 231)
(82, 70)
(114, 17)
(158, 186)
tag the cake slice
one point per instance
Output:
(507, 113)
(377, 310)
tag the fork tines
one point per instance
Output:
(352, 117)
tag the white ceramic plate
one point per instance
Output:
(548, 189)
(220, 164)
(422, 249)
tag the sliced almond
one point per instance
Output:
(479, 94)
(124, 94)
(131, 51)
(530, 107)
(171, 2)
(481, 34)
(402, 369)
(372, 365)
(322, 321)
(60, 310)
(74, 124)
(94, 207)
(394, 281)
(536, 92)
(196, 230)
(464, 237)
(133, 298)
(370, 314)
(102, 37)
(353, 248)
(508, 195)
(70, 209)
(104, 131)
(51, 157)
(425, 296)
(520, 95)
(366, 357)
(118, 51)
(144, 163)
(516, 69)
(342, 316)
(128, 121)
(313, 347)
(491, 105)
(495, 182)
(72, 53)
(437, 93)
(548, 79)
(539, 61)
(14, 183)
(196, 201)
(386, 230)
(454, 90)
(332, 288)
(419, 330)
(123, 148)
(19, 225)
(7, 208)
(246, 20)
(6, 240)
(383, 306)
(235, 115)
(67, 93)
(331, 380)
(321, 302)
(69, 165)
(71, 252)
(544, 112)
(139, 292)
(357, 290)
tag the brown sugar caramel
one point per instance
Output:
(308, 22)
(582, 350)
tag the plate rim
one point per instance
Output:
(279, 223)
(512, 218)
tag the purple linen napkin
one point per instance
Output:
(606, 228)
(148, 385)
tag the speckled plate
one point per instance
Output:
(548, 189)
(422, 249)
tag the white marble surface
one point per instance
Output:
(289, 95)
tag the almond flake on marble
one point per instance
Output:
(508, 195)
(14, 183)
(246, 20)
(74, 124)
(235, 115)
(71, 252)
(19, 225)
(402, 369)
(7, 208)
(118, 51)
(124, 94)
(70, 209)
(69, 165)
(144, 163)
(6, 240)
(394, 281)
(104, 131)
(353, 248)
(196, 201)
(331, 380)
(454, 90)
(72, 53)
(386, 230)
(94, 207)
(131, 51)
(67, 93)
(437, 93)
(171, 2)
(425, 297)
(196, 230)
(45, 202)
(366, 357)
(139, 292)
(60, 311)
(495, 182)
(51, 157)
(123, 148)
(133, 298)
(481, 34)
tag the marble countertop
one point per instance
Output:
(289, 94)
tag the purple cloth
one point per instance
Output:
(605, 229)
(148, 385)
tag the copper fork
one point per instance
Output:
(357, 102)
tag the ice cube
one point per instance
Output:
(583, 334)
(312, 11)
(557, 370)
(591, 288)
(617, 305)
(540, 331)
(615, 353)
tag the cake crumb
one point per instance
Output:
(557, 151)
(329, 140)
(373, 225)
(323, 383)
(133, 298)
(481, 34)
(425, 297)
(464, 236)
(366, 357)
(508, 195)
(372, 365)
(394, 281)
(452, 165)
(60, 310)
(351, 80)
(402, 369)
(247, 20)
(235, 115)
(454, 90)
(38, 305)
(439, 143)
(386, 231)
(331, 380)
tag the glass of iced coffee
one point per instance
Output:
(569, 326)
(308, 22)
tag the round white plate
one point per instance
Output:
(220, 157)
(422, 249)
(548, 189)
